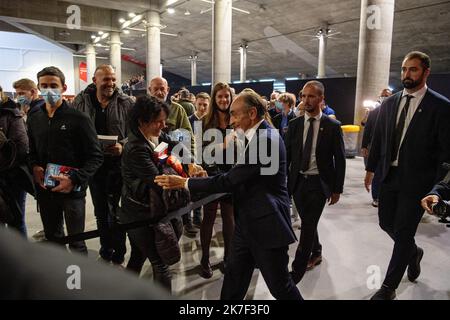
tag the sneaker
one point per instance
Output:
(375, 203)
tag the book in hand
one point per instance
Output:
(57, 170)
(161, 152)
(107, 141)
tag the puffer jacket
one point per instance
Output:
(13, 127)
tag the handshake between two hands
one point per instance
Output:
(178, 182)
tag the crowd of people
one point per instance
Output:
(406, 141)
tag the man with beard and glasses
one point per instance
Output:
(410, 143)
(108, 109)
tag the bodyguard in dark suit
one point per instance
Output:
(263, 228)
(316, 162)
(411, 141)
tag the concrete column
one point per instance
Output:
(323, 37)
(115, 55)
(222, 22)
(374, 57)
(193, 60)
(243, 52)
(90, 61)
(153, 27)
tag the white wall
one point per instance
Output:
(128, 70)
(24, 55)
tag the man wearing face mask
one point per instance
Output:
(284, 103)
(27, 96)
(61, 135)
(108, 108)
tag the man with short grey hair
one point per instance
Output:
(263, 228)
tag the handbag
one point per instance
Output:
(174, 199)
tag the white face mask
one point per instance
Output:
(51, 96)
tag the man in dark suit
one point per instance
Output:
(410, 142)
(316, 162)
(263, 228)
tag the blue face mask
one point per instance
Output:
(51, 96)
(279, 105)
(23, 100)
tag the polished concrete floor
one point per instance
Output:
(354, 249)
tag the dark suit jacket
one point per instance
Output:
(277, 119)
(261, 202)
(442, 190)
(370, 127)
(425, 146)
(330, 154)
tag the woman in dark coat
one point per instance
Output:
(139, 168)
(14, 174)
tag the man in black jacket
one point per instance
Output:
(316, 162)
(263, 228)
(62, 135)
(108, 108)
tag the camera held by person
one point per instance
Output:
(437, 201)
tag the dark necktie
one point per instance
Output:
(399, 128)
(306, 157)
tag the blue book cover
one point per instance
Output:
(56, 170)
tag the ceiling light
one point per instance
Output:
(187, 13)
(170, 10)
(100, 32)
(126, 31)
(122, 20)
(93, 36)
(132, 14)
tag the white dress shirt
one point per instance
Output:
(413, 106)
(312, 170)
(249, 133)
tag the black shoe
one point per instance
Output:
(190, 231)
(414, 265)
(385, 293)
(295, 277)
(206, 270)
